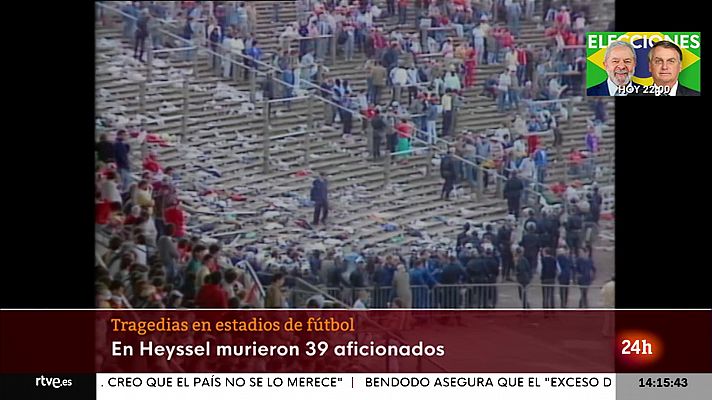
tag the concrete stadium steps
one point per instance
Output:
(362, 172)
(411, 196)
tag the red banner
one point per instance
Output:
(352, 341)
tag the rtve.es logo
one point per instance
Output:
(52, 382)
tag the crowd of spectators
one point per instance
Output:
(414, 80)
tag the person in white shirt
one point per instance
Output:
(564, 112)
(360, 303)
(332, 22)
(448, 50)
(438, 86)
(308, 59)
(110, 189)
(375, 11)
(432, 45)
(571, 194)
(366, 19)
(399, 77)
(529, 9)
(308, 65)
(362, 101)
(415, 44)
(502, 132)
(285, 38)
(555, 89)
(412, 82)
(510, 59)
(608, 295)
(527, 173)
(233, 48)
(452, 81)
(520, 146)
(503, 90)
(140, 250)
(478, 38)
(519, 125)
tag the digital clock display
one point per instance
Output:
(662, 382)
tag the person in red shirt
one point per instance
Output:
(522, 61)
(558, 188)
(575, 161)
(174, 215)
(405, 131)
(470, 67)
(211, 294)
(135, 216)
(507, 39)
(379, 43)
(185, 250)
(151, 164)
(532, 143)
(102, 210)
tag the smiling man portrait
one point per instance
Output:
(619, 61)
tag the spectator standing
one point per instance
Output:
(503, 90)
(566, 270)
(168, 253)
(405, 133)
(274, 297)
(524, 275)
(447, 172)
(402, 286)
(141, 34)
(319, 195)
(504, 243)
(585, 272)
(121, 156)
(402, 11)
(540, 162)
(513, 193)
(549, 270)
(431, 116)
(447, 105)
(378, 82)
(379, 128)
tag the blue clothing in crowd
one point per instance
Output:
(121, 154)
(420, 277)
(584, 271)
(566, 266)
(319, 192)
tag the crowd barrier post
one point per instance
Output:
(265, 134)
(184, 117)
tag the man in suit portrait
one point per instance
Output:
(665, 64)
(619, 62)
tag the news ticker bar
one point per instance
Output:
(545, 386)
(346, 386)
(374, 341)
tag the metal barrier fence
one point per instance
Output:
(467, 296)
